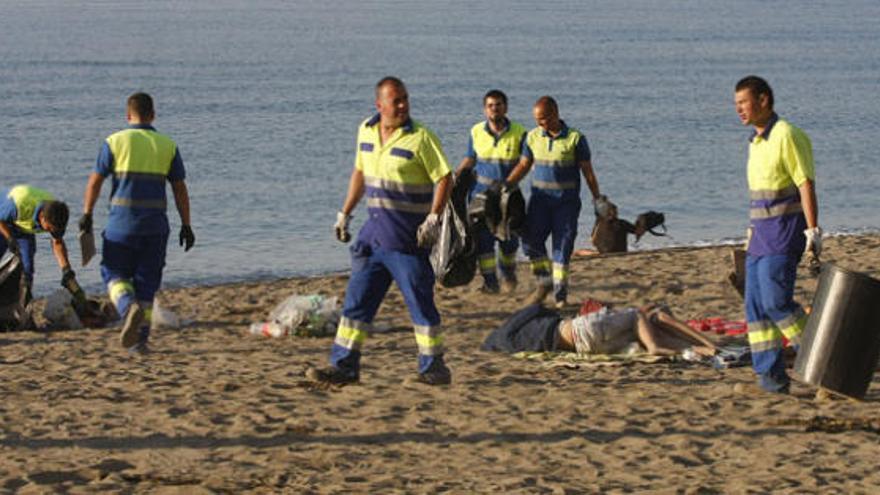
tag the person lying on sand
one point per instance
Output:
(602, 331)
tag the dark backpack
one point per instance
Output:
(650, 220)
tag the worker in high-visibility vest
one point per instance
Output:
(560, 155)
(493, 150)
(783, 225)
(141, 161)
(27, 211)
(401, 169)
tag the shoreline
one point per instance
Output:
(709, 245)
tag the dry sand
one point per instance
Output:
(213, 410)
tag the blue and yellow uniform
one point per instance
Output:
(555, 203)
(20, 211)
(141, 161)
(780, 161)
(494, 155)
(399, 178)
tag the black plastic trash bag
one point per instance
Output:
(501, 210)
(13, 294)
(454, 255)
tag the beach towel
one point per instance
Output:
(575, 360)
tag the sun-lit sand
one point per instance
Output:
(213, 409)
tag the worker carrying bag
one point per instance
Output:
(454, 255)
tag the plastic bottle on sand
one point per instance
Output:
(268, 329)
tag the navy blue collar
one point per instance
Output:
(562, 133)
(407, 126)
(142, 126)
(503, 129)
(769, 127)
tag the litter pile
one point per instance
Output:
(301, 316)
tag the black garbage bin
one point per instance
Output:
(841, 343)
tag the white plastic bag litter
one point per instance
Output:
(59, 311)
(163, 317)
(306, 316)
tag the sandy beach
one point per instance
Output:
(215, 410)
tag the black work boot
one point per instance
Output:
(437, 374)
(331, 376)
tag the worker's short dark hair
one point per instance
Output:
(549, 102)
(389, 80)
(758, 86)
(57, 214)
(497, 94)
(141, 104)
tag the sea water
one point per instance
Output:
(264, 97)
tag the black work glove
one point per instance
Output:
(68, 281)
(85, 222)
(187, 238)
(67, 275)
(13, 247)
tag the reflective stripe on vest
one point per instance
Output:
(142, 159)
(391, 195)
(770, 203)
(555, 164)
(27, 199)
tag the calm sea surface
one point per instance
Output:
(263, 98)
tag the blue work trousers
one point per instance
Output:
(131, 267)
(372, 270)
(545, 216)
(772, 313)
(490, 265)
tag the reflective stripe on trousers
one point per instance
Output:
(549, 216)
(488, 260)
(373, 270)
(771, 312)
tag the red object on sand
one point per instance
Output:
(723, 327)
(719, 326)
(590, 306)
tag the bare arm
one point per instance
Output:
(93, 189)
(441, 194)
(59, 249)
(466, 163)
(521, 169)
(590, 176)
(355, 191)
(682, 329)
(181, 199)
(809, 203)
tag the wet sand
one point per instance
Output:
(214, 410)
